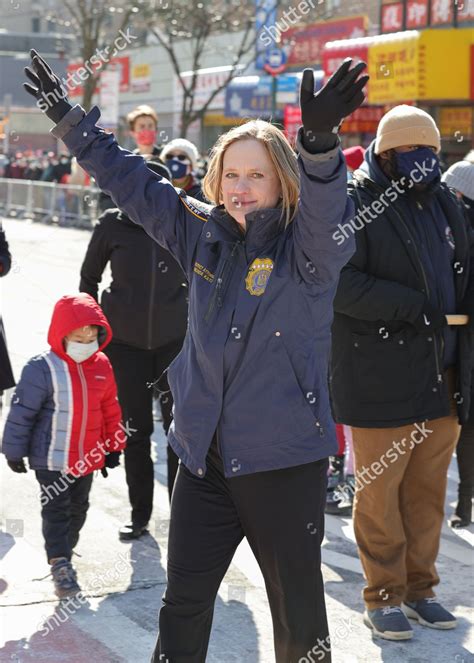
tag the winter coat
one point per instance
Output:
(383, 372)
(6, 374)
(146, 301)
(254, 363)
(65, 415)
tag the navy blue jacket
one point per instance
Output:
(254, 364)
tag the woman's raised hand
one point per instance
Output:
(323, 112)
(46, 89)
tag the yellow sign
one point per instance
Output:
(141, 70)
(444, 63)
(220, 120)
(455, 122)
(393, 69)
(420, 65)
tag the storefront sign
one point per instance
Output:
(141, 78)
(455, 122)
(307, 43)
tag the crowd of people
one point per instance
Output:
(261, 305)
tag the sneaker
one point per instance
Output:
(64, 578)
(429, 612)
(389, 623)
(340, 501)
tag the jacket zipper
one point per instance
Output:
(222, 281)
(439, 375)
(152, 294)
(85, 407)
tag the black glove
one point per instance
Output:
(111, 460)
(47, 90)
(17, 466)
(323, 112)
(430, 319)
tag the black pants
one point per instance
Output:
(137, 374)
(281, 513)
(64, 502)
(465, 458)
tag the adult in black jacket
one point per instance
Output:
(400, 376)
(460, 176)
(6, 374)
(146, 305)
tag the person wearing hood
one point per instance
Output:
(146, 304)
(460, 177)
(181, 158)
(65, 417)
(400, 376)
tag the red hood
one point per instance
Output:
(71, 312)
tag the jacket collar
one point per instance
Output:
(263, 225)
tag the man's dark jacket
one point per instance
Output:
(146, 303)
(383, 372)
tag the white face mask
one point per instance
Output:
(81, 351)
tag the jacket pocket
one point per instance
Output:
(294, 411)
(382, 368)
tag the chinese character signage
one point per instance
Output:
(398, 15)
(392, 17)
(307, 43)
(417, 14)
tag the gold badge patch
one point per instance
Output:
(258, 275)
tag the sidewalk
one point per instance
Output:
(124, 582)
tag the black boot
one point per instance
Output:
(129, 532)
(462, 514)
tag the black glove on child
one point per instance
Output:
(111, 460)
(430, 319)
(323, 112)
(47, 90)
(17, 466)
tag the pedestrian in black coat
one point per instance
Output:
(146, 305)
(460, 176)
(400, 374)
(6, 374)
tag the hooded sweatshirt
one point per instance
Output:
(64, 415)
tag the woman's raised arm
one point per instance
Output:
(149, 200)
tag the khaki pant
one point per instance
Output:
(401, 476)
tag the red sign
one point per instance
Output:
(417, 14)
(392, 17)
(307, 43)
(78, 73)
(442, 12)
(333, 56)
(364, 120)
(292, 122)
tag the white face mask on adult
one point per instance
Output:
(81, 351)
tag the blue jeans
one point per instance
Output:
(64, 501)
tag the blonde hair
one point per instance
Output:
(141, 111)
(280, 152)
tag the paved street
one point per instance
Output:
(123, 583)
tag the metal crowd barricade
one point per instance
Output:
(49, 202)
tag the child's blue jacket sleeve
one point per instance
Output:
(27, 401)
